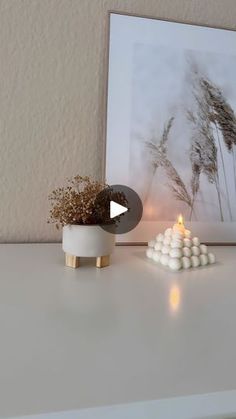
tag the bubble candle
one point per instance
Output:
(176, 250)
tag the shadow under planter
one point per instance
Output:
(87, 241)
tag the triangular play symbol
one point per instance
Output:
(116, 209)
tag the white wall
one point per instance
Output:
(52, 84)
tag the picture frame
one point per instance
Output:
(163, 43)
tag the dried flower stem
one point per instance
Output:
(217, 184)
(234, 167)
(224, 171)
(159, 159)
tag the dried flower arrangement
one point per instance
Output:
(82, 203)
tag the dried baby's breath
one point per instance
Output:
(77, 202)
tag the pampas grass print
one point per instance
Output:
(213, 127)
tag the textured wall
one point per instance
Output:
(52, 81)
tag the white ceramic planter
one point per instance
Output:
(87, 241)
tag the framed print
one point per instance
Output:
(171, 124)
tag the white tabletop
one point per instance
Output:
(131, 332)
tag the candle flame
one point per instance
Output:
(180, 220)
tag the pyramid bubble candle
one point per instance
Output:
(177, 250)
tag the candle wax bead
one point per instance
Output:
(160, 238)
(195, 250)
(186, 262)
(175, 264)
(149, 252)
(158, 246)
(211, 258)
(167, 241)
(164, 259)
(176, 244)
(187, 234)
(187, 251)
(203, 249)
(156, 256)
(203, 259)
(168, 232)
(177, 236)
(196, 241)
(178, 228)
(195, 261)
(176, 253)
(165, 250)
(187, 242)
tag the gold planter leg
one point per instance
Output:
(102, 261)
(72, 261)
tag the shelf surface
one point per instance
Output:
(131, 332)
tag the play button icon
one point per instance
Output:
(122, 208)
(116, 209)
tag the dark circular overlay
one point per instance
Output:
(126, 221)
